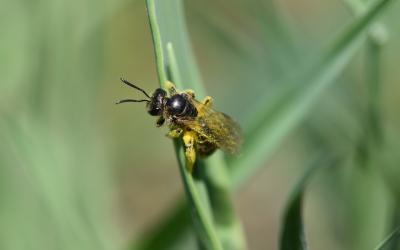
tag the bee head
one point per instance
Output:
(177, 105)
(156, 105)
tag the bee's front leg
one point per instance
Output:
(190, 152)
(160, 121)
(175, 133)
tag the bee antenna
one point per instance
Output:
(130, 100)
(135, 87)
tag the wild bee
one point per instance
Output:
(202, 129)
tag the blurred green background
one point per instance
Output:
(78, 172)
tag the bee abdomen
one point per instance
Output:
(206, 148)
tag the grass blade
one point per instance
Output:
(194, 186)
(203, 223)
(369, 225)
(292, 235)
(217, 182)
(156, 36)
(386, 244)
(166, 29)
(168, 232)
(377, 37)
(198, 200)
(179, 66)
(271, 128)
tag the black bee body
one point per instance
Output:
(202, 129)
(174, 108)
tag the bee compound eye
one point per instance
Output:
(154, 111)
(155, 106)
(159, 94)
(176, 104)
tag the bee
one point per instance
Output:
(202, 129)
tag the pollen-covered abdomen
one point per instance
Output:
(205, 148)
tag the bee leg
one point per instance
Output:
(170, 87)
(175, 133)
(160, 121)
(208, 101)
(190, 152)
(190, 92)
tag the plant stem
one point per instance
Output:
(156, 36)
(218, 187)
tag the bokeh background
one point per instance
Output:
(78, 172)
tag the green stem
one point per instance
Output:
(386, 243)
(204, 228)
(156, 36)
(292, 236)
(376, 39)
(228, 225)
(201, 187)
(198, 200)
(325, 71)
(218, 186)
(377, 36)
(275, 125)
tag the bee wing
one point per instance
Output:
(217, 128)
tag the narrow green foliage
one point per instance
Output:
(203, 224)
(292, 234)
(271, 126)
(228, 226)
(169, 232)
(194, 187)
(197, 198)
(54, 172)
(373, 69)
(377, 36)
(206, 186)
(366, 185)
(388, 243)
(156, 35)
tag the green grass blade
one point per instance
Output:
(228, 225)
(156, 36)
(376, 40)
(198, 199)
(386, 244)
(179, 67)
(377, 37)
(203, 224)
(194, 186)
(276, 125)
(168, 26)
(292, 234)
(55, 167)
(369, 225)
(168, 232)
(218, 185)
(271, 128)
